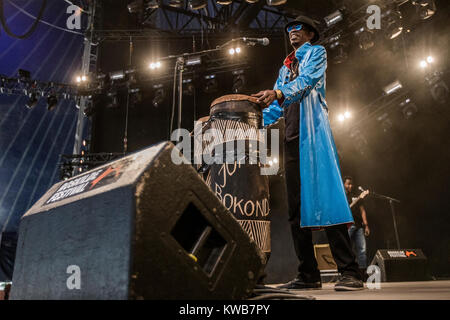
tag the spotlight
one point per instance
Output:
(211, 84)
(347, 115)
(438, 88)
(276, 2)
(117, 75)
(392, 87)
(155, 65)
(176, 3)
(112, 101)
(409, 109)
(238, 50)
(80, 79)
(238, 81)
(136, 6)
(423, 64)
(52, 101)
(153, 4)
(341, 118)
(194, 61)
(32, 101)
(232, 51)
(340, 54)
(135, 96)
(188, 87)
(334, 18)
(160, 95)
(197, 4)
(394, 25)
(425, 8)
(386, 123)
(365, 38)
(430, 59)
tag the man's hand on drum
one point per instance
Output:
(266, 97)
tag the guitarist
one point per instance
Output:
(360, 229)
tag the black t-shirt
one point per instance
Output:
(356, 212)
(292, 113)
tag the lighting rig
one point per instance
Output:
(36, 90)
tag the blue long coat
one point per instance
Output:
(323, 200)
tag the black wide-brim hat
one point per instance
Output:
(305, 20)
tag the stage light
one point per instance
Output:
(409, 109)
(52, 101)
(238, 81)
(392, 87)
(176, 3)
(193, 61)
(438, 88)
(135, 96)
(394, 25)
(32, 100)
(153, 4)
(188, 87)
(117, 75)
(386, 123)
(80, 79)
(423, 64)
(160, 95)
(112, 101)
(430, 59)
(231, 51)
(224, 2)
(425, 8)
(334, 18)
(155, 65)
(197, 4)
(365, 38)
(341, 118)
(347, 114)
(211, 84)
(238, 50)
(136, 6)
(340, 54)
(276, 2)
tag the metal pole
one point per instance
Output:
(180, 89)
(85, 71)
(395, 223)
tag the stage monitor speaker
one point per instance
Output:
(401, 265)
(140, 227)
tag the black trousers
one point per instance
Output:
(338, 238)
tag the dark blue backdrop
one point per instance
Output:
(32, 140)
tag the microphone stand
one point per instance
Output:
(391, 203)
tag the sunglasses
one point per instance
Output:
(297, 27)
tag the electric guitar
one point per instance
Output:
(360, 197)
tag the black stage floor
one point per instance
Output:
(426, 290)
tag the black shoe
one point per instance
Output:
(348, 283)
(298, 284)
